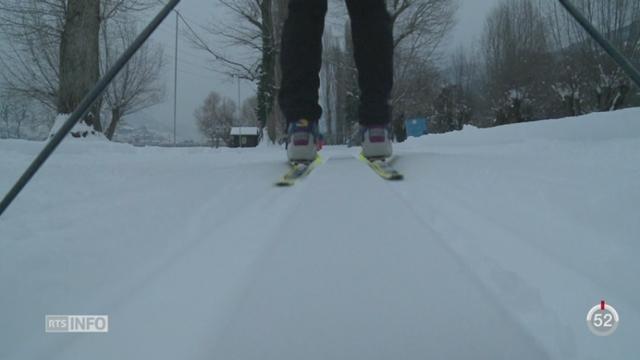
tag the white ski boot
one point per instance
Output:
(376, 141)
(303, 141)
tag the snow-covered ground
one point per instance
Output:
(494, 247)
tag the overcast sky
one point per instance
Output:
(196, 80)
(470, 21)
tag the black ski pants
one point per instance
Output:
(301, 59)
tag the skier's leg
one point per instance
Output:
(373, 51)
(301, 59)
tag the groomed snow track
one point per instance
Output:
(495, 246)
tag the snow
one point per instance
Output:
(81, 129)
(515, 94)
(565, 91)
(494, 247)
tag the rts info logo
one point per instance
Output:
(76, 323)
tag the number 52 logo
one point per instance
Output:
(603, 319)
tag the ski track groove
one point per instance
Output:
(198, 231)
(368, 178)
(436, 236)
(561, 339)
(462, 260)
(269, 247)
(147, 278)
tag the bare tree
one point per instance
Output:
(422, 24)
(139, 84)
(80, 58)
(248, 112)
(34, 30)
(329, 84)
(114, 8)
(539, 63)
(517, 61)
(254, 30)
(591, 80)
(344, 80)
(455, 103)
(5, 117)
(419, 27)
(31, 30)
(14, 113)
(215, 117)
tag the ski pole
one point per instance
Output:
(617, 56)
(84, 106)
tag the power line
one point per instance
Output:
(177, 69)
(189, 27)
(203, 44)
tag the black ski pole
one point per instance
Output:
(84, 106)
(617, 56)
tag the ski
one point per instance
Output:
(297, 171)
(383, 168)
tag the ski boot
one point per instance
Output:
(303, 141)
(376, 141)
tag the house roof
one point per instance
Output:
(244, 130)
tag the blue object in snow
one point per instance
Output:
(417, 127)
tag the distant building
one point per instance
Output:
(244, 136)
(141, 136)
(417, 127)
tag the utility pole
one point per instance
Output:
(175, 83)
(239, 112)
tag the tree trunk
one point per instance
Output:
(266, 80)
(115, 119)
(79, 58)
